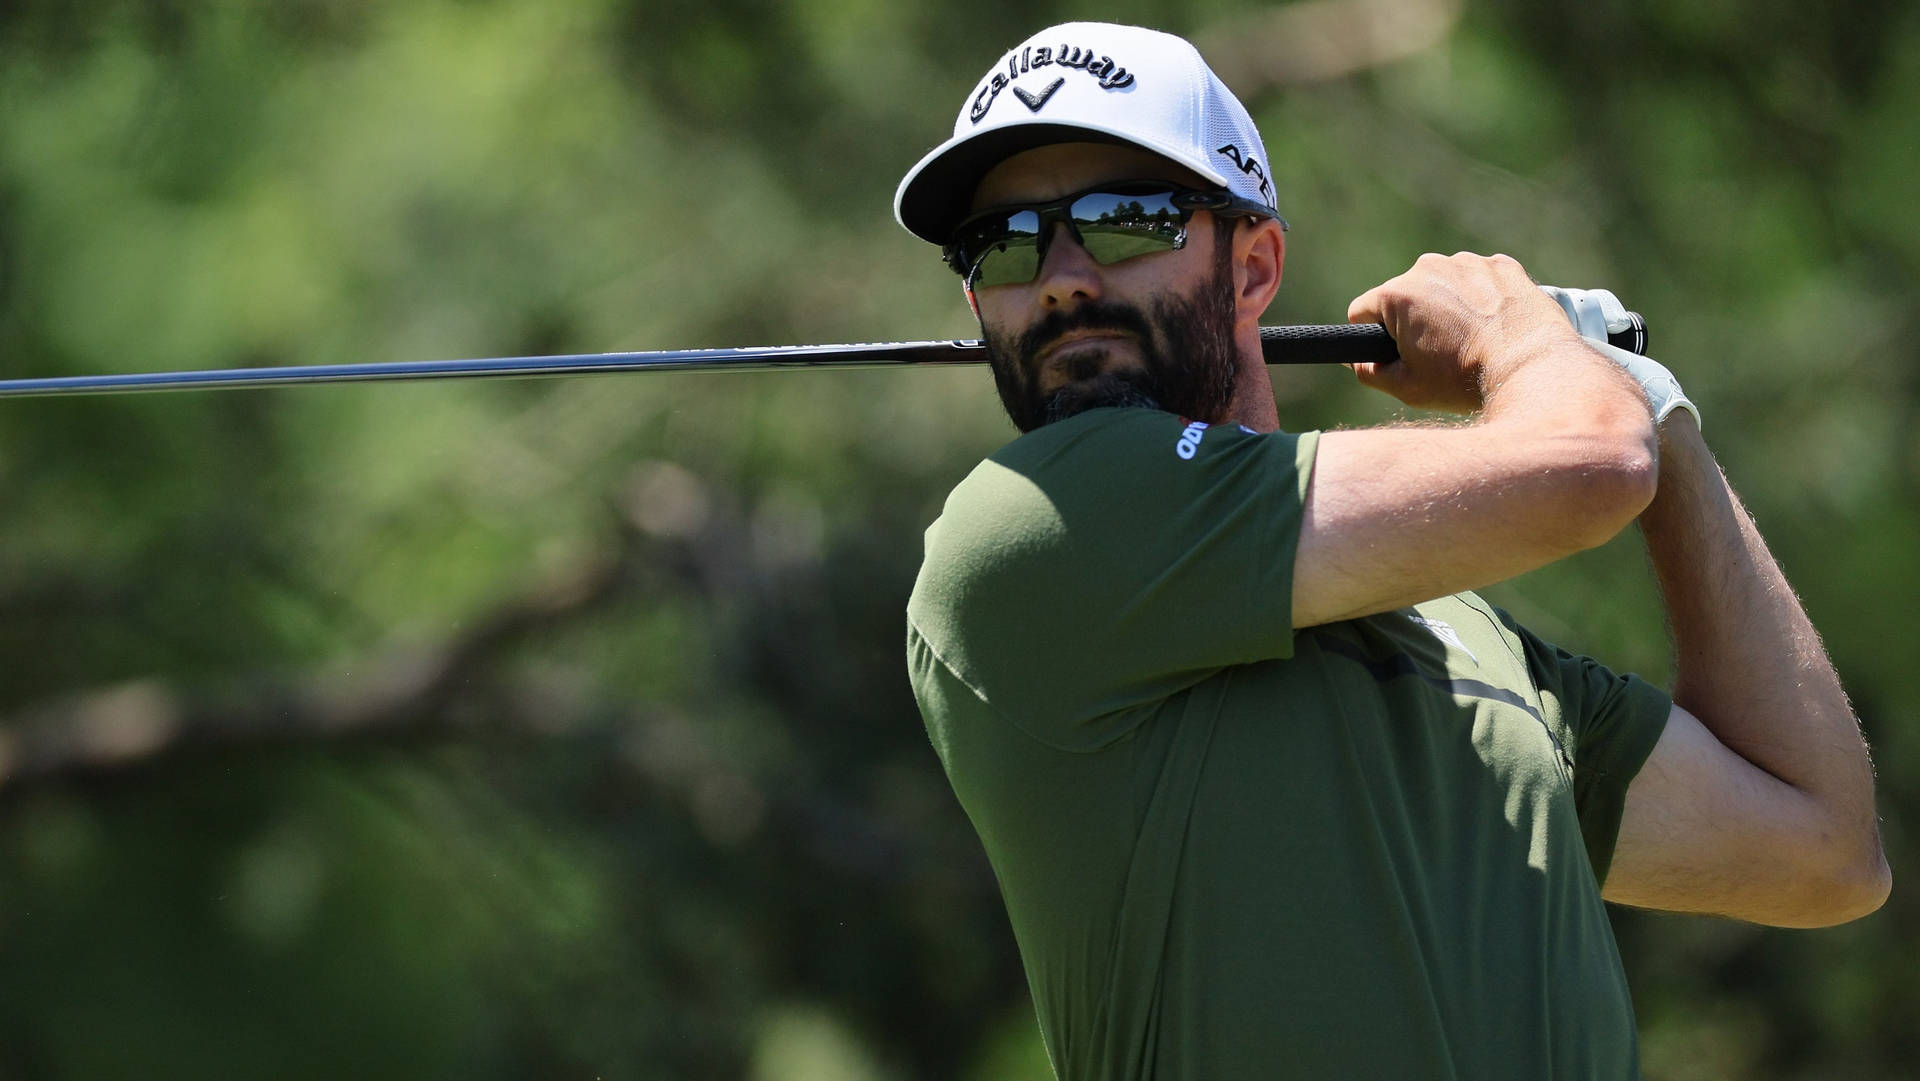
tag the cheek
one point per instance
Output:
(997, 304)
(1001, 315)
(1138, 281)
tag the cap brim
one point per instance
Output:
(937, 193)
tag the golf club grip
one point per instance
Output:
(1343, 343)
(1354, 343)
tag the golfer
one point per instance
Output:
(1269, 794)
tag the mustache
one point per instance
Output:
(1092, 315)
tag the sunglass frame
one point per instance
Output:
(1186, 200)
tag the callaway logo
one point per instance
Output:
(1034, 101)
(1031, 57)
(1189, 444)
(1251, 166)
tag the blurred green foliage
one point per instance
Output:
(559, 729)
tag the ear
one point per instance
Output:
(1259, 255)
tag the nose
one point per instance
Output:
(1068, 275)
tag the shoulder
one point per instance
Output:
(1056, 567)
(1111, 473)
(1105, 452)
(1106, 438)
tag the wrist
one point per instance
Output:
(1495, 355)
(1662, 389)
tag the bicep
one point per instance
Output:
(1705, 830)
(1395, 516)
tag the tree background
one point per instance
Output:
(560, 728)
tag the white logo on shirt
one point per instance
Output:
(1447, 634)
(1189, 444)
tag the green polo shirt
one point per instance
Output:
(1230, 849)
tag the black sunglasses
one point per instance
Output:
(1005, 245)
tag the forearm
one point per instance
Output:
(1748, 661)
(1561, 460)
(1559, 456)
(1571, 391)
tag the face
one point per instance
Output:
(1155, 330)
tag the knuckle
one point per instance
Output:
(1503, 261)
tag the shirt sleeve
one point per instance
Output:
(1612, 721)
(1102, 563)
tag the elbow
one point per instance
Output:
(1852, 884)
(1876, 888)
(1863, 886)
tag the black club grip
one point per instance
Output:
(1344, 343)
(1354, 343)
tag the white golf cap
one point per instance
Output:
(1088, 82)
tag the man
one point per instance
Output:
(1267, 792)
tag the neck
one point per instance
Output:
(1252, 386)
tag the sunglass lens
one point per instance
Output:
(1118, 227)
(1005, 251)
(1112, 227)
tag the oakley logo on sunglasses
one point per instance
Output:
(1110, 75)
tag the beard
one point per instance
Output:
(1187, 361)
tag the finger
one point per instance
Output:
(1386, 303)
(1376, 304)
(1365, 308)
(1381, 377)
(1371, 306)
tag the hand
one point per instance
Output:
(1461, 323)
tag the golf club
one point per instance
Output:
(1337, 344)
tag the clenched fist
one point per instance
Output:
(1462, 323)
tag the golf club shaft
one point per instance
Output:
(1340, 344)
(1284, 345)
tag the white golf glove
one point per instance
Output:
(1595, 313)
